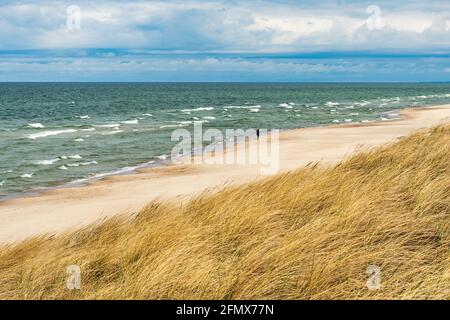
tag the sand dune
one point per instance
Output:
(69, 208)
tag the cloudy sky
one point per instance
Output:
(224, 40)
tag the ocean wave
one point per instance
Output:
(88, 129)
(88, 163)
(285, 105)
(209, 118)
(198, 109)
(147, 114)
(49, 133)
(2, 183)
(47, 162)
(166, 126)
(36, 125)
(254, 110)
(79, 140)
(331, 103)
(27, 175)
(83, 117)
(116, 130)
(242, 107)
(73, 164)
(109, 125)
(135, 121)
(75, 156)
(63, 167)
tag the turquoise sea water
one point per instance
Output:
(54, 134)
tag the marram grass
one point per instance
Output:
(308, 234)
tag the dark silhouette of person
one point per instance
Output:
(257, 133)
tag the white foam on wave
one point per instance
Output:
(162, 157)
(242, 107)
(2, 183)
(63, 167)
(209, 118)
(254, 110)
(75, 156)
(89, 129)
(73, 164)
(285, 105)
(27, 175)
(88, 163)
(83, 117)
(79, 140)
(49, 133)
(135, 121)
(36, 125)
(112, 132)
(147, 114)
(109, 125)
(47, 162)
(331, 103)
(198, 109)
(175, 125)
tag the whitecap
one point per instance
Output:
(2, 183)
(109, 125)
(47, 162)
(89, 129)
(135, 121)
(112, 132)
(254, 110)
(49, 133)
(243, 107)
(27, 175)
(162, 157)
(73, 164)
(63, 167)
(83, 117)
(209, 118)
(198, 109)
(174, 125)
(79, 140)
(148, 115)
(336, 121)
(348, 120)
(331, 103)
(36, 125)
(88, 163)
(75, 156)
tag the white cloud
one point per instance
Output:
(256, 26)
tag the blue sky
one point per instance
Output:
(138, 40)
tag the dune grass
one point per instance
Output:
(308, 234)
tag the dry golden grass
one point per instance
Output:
(309, 234)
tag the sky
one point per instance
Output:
(225, 40)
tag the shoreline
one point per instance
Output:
(135, 169)
(66, 208)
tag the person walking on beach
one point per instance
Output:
(257, 134)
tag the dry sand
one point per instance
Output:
(66, 209)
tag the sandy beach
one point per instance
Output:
(67, 209)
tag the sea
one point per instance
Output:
(65, 134)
